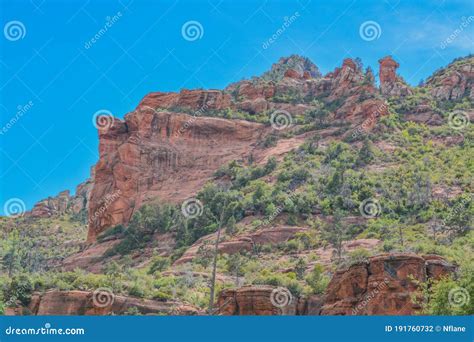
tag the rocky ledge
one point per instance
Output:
(98, 303)
(386, 284)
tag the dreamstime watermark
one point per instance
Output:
(21, 110)
(14, 30)
(110, 21)
(192, 30)
(458, 297)
(192, 208)
(370, 30)
(370, 208)
(458, 120)
(281, 297)
(103, 119)
(107, 201)
(281, 119)
(287, 21)
(370, 121)
(46, 330)
(465, 22)
(14, 207)
(103, 297)
(371, 295)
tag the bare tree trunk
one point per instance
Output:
(401, 234)
(214, 270)
(214, 262)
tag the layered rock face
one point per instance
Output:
(99, 303)
(170, 136)
(199, 101)
(385, 285)
(149, 155)
(453, 82)
(390, 83)
(266, 301)
(64, 202)
(254, 301)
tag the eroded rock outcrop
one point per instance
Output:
(385, 285)
(89, 303)
(170, 136)
(150, 154)
(453, 82)
(255, 301)
(193, 100)
(390, 83)
(64, 202)
(293, 66)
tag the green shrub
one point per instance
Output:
(317, 280)
(19, 289)
(159, 264)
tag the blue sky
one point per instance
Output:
(59, 81)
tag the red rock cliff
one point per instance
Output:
(157, 154)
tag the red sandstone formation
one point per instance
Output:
(453, 82)
(390, 83)
(388, 70)
(254, 301)
(149, 155)
(156, 147)
(385, 285)
(64, 202)
(195, 100)
(292, 73)
(89, 303)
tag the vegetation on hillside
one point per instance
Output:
(407, 184)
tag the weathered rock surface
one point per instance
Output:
(156, 147)
(64, 202)
(246, 242)
(150, 153)
(100, 303)
(89, 259)
(390, 83)
(385, 285)
(453, 82)
(193, 100)
(265, 301)
(255, 301)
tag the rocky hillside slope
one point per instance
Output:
(325, 186)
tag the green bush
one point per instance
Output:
(159, 264)
(19, 289)
(317, 280)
